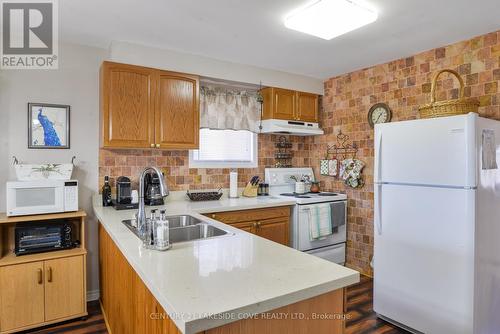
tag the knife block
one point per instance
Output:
(250, 190)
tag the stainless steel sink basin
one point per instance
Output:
(185, 228)
(195, 232)
(182, 221)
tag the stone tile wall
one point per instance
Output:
(403, 84)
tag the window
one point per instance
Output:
(225, 149)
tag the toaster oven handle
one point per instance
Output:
(40, 276)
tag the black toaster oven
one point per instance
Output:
(43, 237)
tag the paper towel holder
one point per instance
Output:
(233, 171)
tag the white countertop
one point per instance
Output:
(208, 283)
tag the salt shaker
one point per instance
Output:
(161, 229)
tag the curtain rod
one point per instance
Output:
(229, 84)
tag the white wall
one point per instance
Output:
(76, 83)
(129, 53)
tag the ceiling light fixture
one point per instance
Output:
(330, 18)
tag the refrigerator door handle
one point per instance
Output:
(378, 209)
(378, 158)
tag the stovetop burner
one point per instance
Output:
(295, 195)
(309, 194)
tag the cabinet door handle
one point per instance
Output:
(49, 275)
(157, 145)
(152, 145)
(254, 225)
(40, 276)
(213, 216)
(258, 224)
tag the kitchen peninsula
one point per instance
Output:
(237, 283)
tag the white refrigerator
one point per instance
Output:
(437, 225)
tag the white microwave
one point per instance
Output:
(41, 196)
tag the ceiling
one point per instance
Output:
(252, 32)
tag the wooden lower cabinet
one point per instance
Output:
(269, 223)
(37, 293)
(127, 304)
(64, 287)
(129, 307)
(21, 295)
(274, 229)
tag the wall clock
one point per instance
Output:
(379, 113)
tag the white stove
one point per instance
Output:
(331, 247)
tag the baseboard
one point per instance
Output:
(92, 295)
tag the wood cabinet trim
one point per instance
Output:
(230, 217)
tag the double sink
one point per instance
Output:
(184, 228)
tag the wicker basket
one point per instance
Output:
(448, 107)
(205, 196)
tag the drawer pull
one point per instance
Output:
(40, 276)
(49, 275)
(157, 145)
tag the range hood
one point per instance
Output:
(296, 128)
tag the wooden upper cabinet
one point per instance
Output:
(177, 110)
(148, 108)
(307, 107)
(278, 103)
(289, 105)
(127, 106)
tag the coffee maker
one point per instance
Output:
(123, 199)
(123, 190)
(152, 193)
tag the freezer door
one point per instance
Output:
(439, 151)
(424, 257)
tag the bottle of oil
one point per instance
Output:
(106, 192)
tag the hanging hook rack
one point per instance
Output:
(342, 147)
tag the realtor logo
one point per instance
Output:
(29, 34)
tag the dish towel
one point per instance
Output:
(320, 221)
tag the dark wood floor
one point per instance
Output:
(93, 325)
(362, 319)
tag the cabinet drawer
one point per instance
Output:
(231, 217)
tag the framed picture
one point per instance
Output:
(48, 125)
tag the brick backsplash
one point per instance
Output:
(403, 84)
(175, 165)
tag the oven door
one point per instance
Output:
(334, 253)
(303, 219)
(34, 197)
